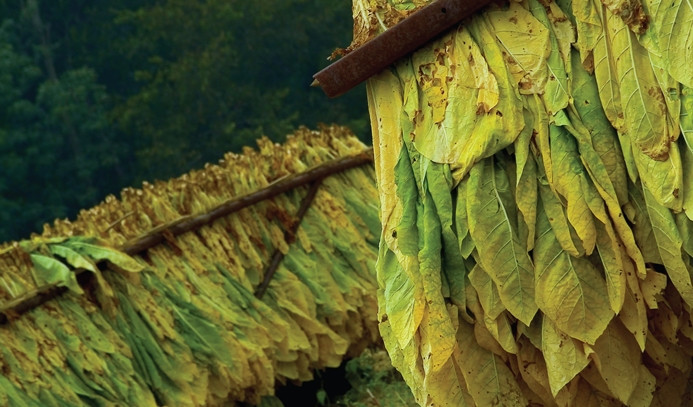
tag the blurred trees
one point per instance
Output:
(96, 95)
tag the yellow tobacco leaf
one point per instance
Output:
(447, 85)
(441, 384)
(666, 323)
(589, 28)
(486, 292)
(484, 79)
(486, 340)
(631, 12)
(670, 392)
(670, 87)
(569, 290)
(532, 366)
(617, 357)
(526, 45)
(590, 395)
(496, 335)
(644, 108)
(670, 22)
(385, 105)
(605, 72)
(446, 387)
(569, 393)
(663, 178)
(652, 287)
(609, 250)
(556, 93)
(500, 126)
(633, 313)
(489, 380)
(644, 390)
(501, 329)
(564, 355)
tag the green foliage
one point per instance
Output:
(375, 382)
(57, 148)
(97, 95)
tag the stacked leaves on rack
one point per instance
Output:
(535, 168)
(178, 324)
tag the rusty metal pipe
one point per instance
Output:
(394, 43)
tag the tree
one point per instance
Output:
(216, 75)
(56, 144)
(98, 94)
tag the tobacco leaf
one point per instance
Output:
(569, 290)
(502, 255)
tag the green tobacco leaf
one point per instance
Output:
(403, 299)
(502, 255)
(51, 271)
(559, 221)
(604, 138)
(97, 253)
(669, 243)
(642, 227)
(526, 190)
(75, 259)
(564, 356)
(686, 123)
(439, 182)
(609, 251)
(462, 221)
(202, 336)
(604, 187)
(407, 233)
(437, 321)
(569, 177)
(569, 290)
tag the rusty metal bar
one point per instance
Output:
(396, 42)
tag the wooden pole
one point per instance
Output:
(314, 175)
(278, 187)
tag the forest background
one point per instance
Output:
(96, 95)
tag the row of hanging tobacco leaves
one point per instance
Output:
(535, 168)
(178, 324)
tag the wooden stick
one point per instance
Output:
(37, 297)
(278, 187)
(289, 235)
